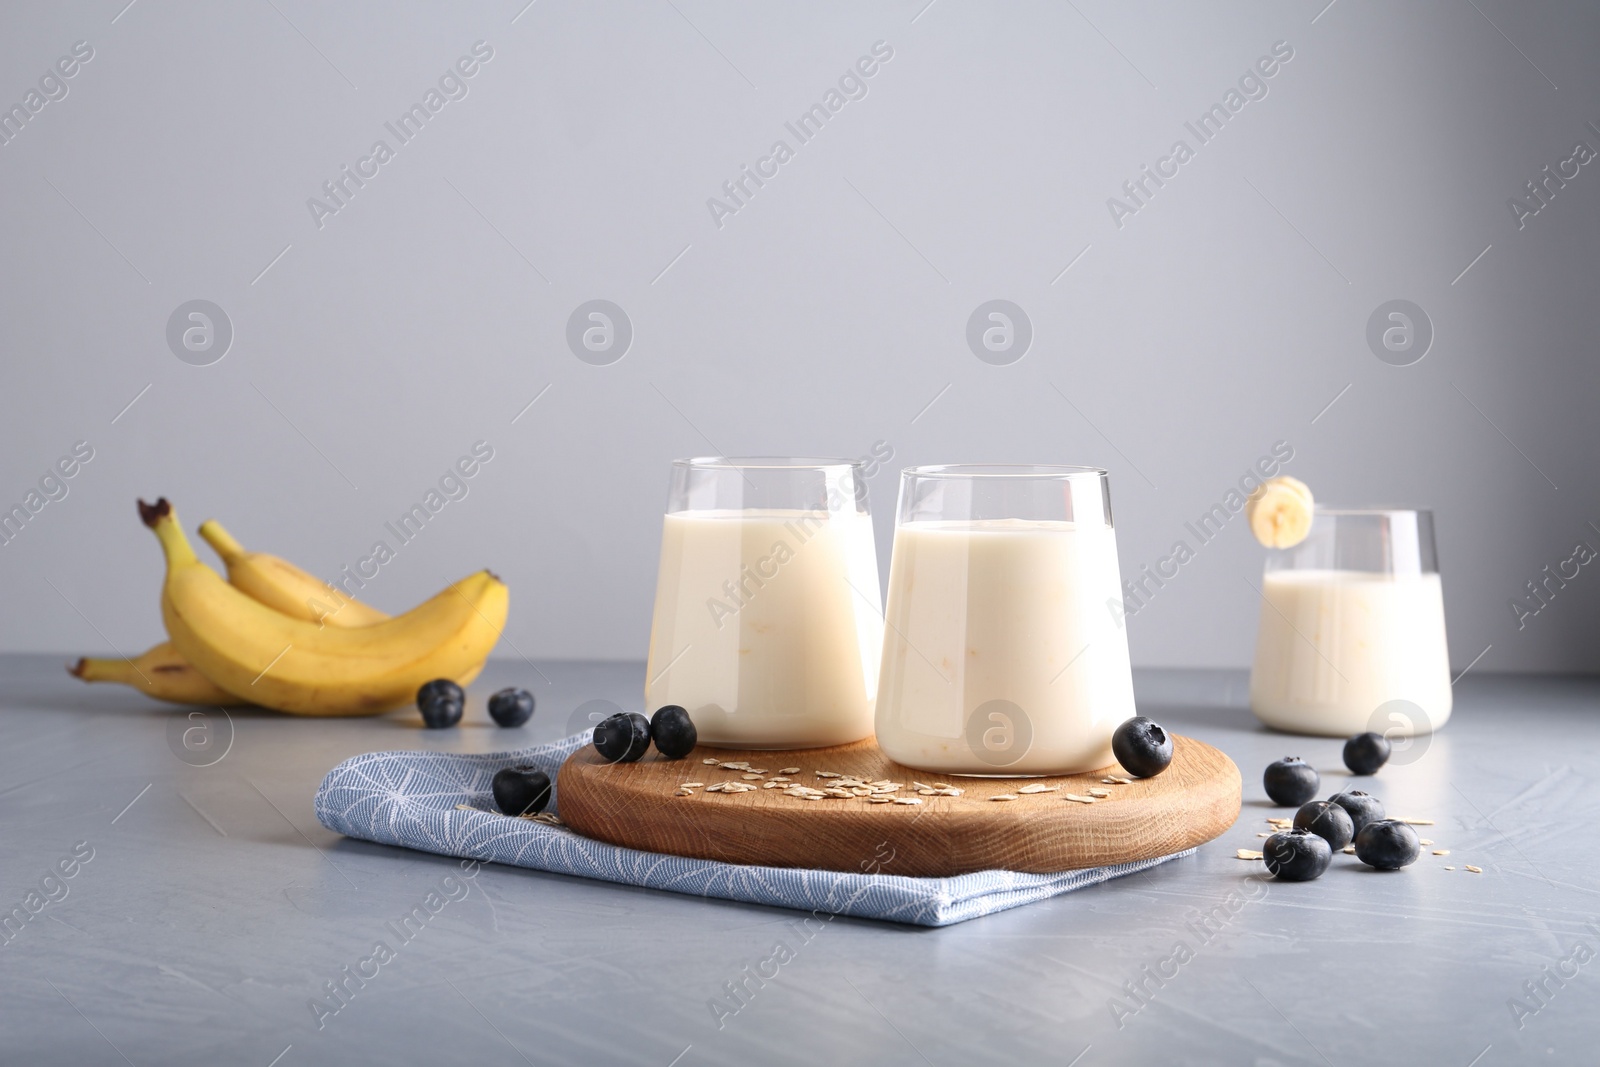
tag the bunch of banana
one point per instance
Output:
(274, 635)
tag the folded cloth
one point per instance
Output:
(410, 799)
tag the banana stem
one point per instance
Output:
(164, 521)
(221, 540)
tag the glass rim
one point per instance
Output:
(1374, 510)
(1044, 471)
(794, 463)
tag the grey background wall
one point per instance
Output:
(374, 345)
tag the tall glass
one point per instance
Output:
(767, 624)
(1004, 652)
(1352, 636)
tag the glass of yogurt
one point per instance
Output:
(1351, 636)
(767, 625)
(1004, 653)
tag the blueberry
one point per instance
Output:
(1363, 807)
(623, 738)
(1291, 781)
(1296, 855)
(441, 702)
(521, 790)
(1387, 844)
(673, 731)
(511, 707)
(1365, 753)
(1142, 747)
(1327, 820)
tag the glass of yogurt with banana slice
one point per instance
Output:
(1352, 628)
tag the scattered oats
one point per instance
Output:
(861, 791)
(1416, 822)
(907, 800)
(926, 791)
(737, 765)
(828, 774)
(1425, 841)
(1449, 868)
(880, 800)
(1249, 854)
(835, 791)
(709, 762)
(920, 785)
(716, 788)
(1441, 852)
(757, 770)
(1349, 850)
(751, 776)
(788, 770)
(691, 785)
(1263, 835)
(1035, 787)
(1003, 796)
(1101, 793)
(1474, 870)
(1108, 781)
(1079, 798)
(941, 785)
(771, 785)
(951, 792)
(1120, 780)
(779, 778)
(813, 796)
(685, 792)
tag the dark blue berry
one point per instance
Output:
(673, 731)
(1291, 781)
(1142, 747)
(521, 790)
(1387, 844)
(511, 707)
(1296, 855)
(1327, 820)
(1365, 753)
(623, 738)
(1363, 807)
(441, 702)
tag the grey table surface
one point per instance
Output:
(215, 907)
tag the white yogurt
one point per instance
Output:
(1002, 654)
(1335, 645)
(767, 626)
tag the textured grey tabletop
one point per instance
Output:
(214, 907)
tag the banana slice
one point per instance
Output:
(1279, 512)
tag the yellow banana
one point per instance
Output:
(279, 584)
(267, 658)
(159, 672)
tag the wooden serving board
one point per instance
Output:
(636, 805)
